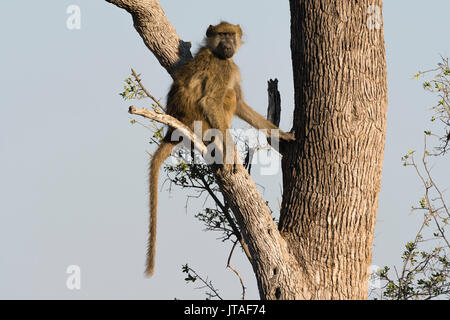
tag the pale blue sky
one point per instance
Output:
(73, 169)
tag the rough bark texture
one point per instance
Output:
(277, 272)
(331, 178)
(158, 33)
(331, 173)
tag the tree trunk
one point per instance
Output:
(331, 173)
(331, 178)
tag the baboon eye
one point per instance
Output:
(225, 34)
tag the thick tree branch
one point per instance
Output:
(172, 122)
(158, 33)
(272, 262)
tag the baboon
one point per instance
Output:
(207, 89)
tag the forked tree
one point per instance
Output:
(322, 246)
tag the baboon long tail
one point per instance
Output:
(161, 154)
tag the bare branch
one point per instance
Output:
(274, 106)
(235, 271)
(193, 276)
(172, 122)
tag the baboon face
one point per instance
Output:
(227, 45)
(224, 39)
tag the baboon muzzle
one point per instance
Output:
(226, 50)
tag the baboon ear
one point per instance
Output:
(210, 31)
(239, 30)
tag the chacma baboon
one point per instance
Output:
(205, 89)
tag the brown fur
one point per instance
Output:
(158, 158)
(208, 89)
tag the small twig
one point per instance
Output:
(150, 129)
(138, 80)
(206, 284)
(225, 210)
(235, 271)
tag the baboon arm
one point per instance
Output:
(246, 113)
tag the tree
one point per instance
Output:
(321, 248)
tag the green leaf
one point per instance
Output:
(426, 84)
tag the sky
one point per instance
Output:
(73, 169)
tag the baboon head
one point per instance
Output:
(224, 39)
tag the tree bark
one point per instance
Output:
(331, 173)
(331, 178)
(158, 34)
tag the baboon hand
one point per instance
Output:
(287, 136)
